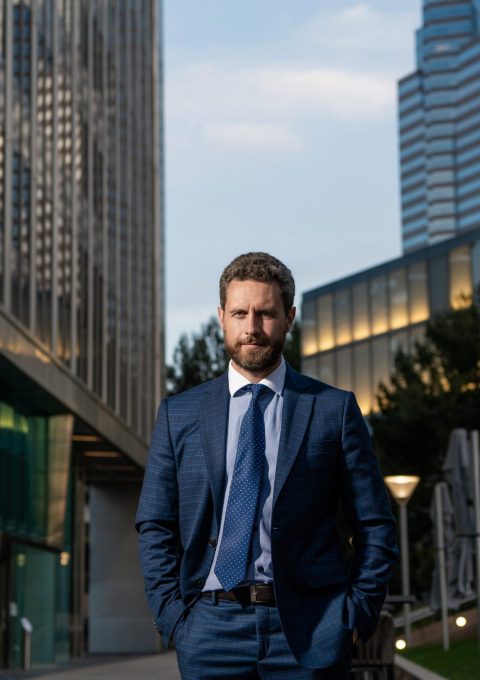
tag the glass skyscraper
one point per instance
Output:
(439, 120)
(81, 317)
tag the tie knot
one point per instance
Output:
(257, 389)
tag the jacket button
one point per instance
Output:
(199, 582)
(212, 542)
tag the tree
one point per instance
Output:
(434, 389)
(202, 356)
(197, 358)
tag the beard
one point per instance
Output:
(263, 356)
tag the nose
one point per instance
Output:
(252, 327)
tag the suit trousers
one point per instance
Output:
(221, 639)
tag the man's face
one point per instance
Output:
(255, 325)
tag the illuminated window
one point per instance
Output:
(418, 292)
(361, 326)
(309, 329)
(361, 362)
(460, 293)
(343, 329)
(325, 322)
(343, 361)
(398, 298)
(378, 304)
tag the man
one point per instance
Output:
(238, 544)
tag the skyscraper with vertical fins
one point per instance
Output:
(439, 120)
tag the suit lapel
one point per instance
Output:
(214, 424)
(297, 407)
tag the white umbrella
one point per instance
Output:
(459, 475)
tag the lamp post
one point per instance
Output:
(402, 487)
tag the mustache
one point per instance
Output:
(251, 340)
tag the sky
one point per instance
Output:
(281, 136)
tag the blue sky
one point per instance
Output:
(280, 135)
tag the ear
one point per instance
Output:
(291, 317)
(221, 314)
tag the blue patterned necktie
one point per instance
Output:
(234, 550)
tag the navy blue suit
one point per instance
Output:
(325, 454)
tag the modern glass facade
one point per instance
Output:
(81, 304)
(351, 329)
(439, 123)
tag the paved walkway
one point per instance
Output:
(152, 667)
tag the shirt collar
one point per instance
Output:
(275, 380)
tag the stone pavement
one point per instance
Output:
(151, 667)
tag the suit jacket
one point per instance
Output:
(325, 454)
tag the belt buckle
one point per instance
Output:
(253, 594)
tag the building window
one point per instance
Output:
(397, 341)
(418, 292)
(343, 328)
(326, 368)
(309, 329)
(380, 365)
(398, 298)
(309, 367)
(325, 322)
(438, 278)
(344, 368)
(361, 325)
(378, 304)
(362, 374)
(460, 293)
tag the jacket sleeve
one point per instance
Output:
(367, 509)
(157, 525)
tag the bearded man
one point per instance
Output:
(241, 558)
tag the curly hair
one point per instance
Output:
(259, 267)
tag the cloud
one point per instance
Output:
(249, 136)
(360, 33)
(233, 91)
(340, 65)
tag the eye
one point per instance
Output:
(239, 315)
(267, 315)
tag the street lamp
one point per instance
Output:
(402, 487)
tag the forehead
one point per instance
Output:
(251, 292)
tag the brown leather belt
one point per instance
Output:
(260, 593)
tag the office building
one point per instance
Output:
(439, 121)
(352, 328)
(81, 319)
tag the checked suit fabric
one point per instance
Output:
(232, 560)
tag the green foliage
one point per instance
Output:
(197, 358)
(292, 347)
(434, 390)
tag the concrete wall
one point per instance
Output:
(119, 619)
